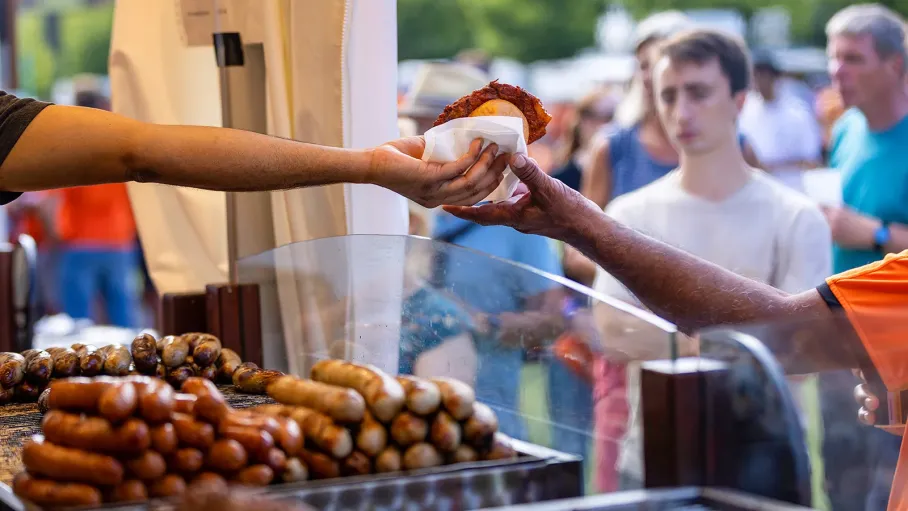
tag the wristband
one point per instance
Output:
(881, 237)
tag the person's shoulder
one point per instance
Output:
(851, 120)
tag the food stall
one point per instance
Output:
(321, 399)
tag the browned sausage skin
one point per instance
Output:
(44, 492)
(67, 464)
(110, 398)
(383, 394)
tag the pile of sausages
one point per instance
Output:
(131, 438)
(23, 377)
(359, 420)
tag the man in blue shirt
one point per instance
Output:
(868, 64)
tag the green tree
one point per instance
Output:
(84, 45)
(525, 30)
(528, 30)
(428, 29)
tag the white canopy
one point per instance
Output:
(331, 79)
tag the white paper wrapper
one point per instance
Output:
(452, 139)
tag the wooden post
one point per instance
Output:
(686, 441)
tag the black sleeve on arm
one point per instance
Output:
(15, 116)
(829, 297)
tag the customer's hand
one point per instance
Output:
(541, 205)
(869, 403)
(398, 167)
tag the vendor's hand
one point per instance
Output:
(542, 205)
(868, 402)
(397, 166)
(849, 228)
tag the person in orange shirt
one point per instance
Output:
(97, 235)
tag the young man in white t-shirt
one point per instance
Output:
(715, 205)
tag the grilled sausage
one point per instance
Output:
(206, 349)
(116, 360)
(51, 494)
(445, 433)
(67, 464)
(226, 455)
(12, 369)
(456, 396)
(95, 434)
(423, 396)
(193, 433)
(253, 380)
(131, 490)
(149, 466)
(170, 485)
(145, 354)
(110, 398)
(481, 425)
(91, 360)
(39, 367)
(228, 361)
(255, 475)
(210, 404)
(174, 351)
(383, 394)
(389, 460)
(372, 436)
(408, 429)
(178, 375)
(186, 461)
(164, 438)
(421, 455)
(341, 404)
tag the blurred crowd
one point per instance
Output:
(663, 156)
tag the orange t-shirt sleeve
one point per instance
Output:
(875, 299)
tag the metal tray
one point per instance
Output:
(538, 474)
(677, 499)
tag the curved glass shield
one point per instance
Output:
(817, 409)
(557, 363)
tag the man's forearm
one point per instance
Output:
(686, 290)
(235, 160)
(66, 146)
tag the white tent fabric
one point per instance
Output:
(331, 79)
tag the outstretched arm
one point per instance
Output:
(684, 289)
(70, 146)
